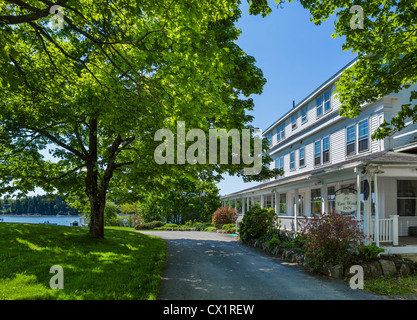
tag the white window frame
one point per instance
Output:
(302, 158)
(292, 162)
(322, 150)
(294, 123)
(322, 105)
(351, 141)
(367, 136)
(317, 153)
(304, 115)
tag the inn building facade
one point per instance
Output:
(330, 163)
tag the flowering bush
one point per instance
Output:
(224, 215)
(331, 238)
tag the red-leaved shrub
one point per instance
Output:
(224, 215)
(331, 238)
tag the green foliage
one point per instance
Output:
(369, 251)
(272, 243)
(210, 229)
(125, 266)
(331, 238)
(149, 225)
(224, 215)
(386, 50)
(190, 200)
(53, 204)
(93, 94)
(230, 227)
(256, 223)
(110, 214)
(203, 226)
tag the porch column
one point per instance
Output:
(376, 210)
(276, 195)
(243, 205)
(358, 196)
(323, 198)
(262, 201)
(295, 211)
(368, 215)
(248, 202)
(394, 229)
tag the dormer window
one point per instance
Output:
(323, 103)
(294, 121)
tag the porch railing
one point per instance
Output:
(388, 230)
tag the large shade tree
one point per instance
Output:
(93, 91)
(383, 34)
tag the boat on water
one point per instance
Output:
(47, 222)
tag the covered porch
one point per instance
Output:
(385, 192)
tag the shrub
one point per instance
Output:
(256, 223)
(331, 238)
(149, 225)
(230, 227)
(210, 229)
(203, 226)
(224, 215)
(272, 243)
(369, 252)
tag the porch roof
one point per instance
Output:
(377, 158)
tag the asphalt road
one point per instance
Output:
(212, 266)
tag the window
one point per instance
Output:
(326, 150)
(363, 139)
(350, 140)
(294, 121)
(319, 106)
(407, 197)
(331, 199)
(292, 160)
(327, 102)
(279, 163)
(316, 201)
(323, 103)
(317, 153)
(283, 131)
(304, 115)
(301, 157)
(283, 203)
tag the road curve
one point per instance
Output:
(212, 266)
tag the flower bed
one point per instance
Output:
(385, 265)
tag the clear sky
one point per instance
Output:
(296, 57)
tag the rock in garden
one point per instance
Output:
(388, 267)
(405, 269)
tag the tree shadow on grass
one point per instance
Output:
(125, 265)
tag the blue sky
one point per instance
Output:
(295, 55)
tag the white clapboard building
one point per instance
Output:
(331, 163)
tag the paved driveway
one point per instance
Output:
(205, 265)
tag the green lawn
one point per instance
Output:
(125, 265)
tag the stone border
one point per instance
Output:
(385, 265)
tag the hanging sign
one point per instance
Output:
(346, 202)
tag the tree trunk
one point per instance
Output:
(96, 195)
(95, 190)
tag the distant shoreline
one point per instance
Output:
(40, 215)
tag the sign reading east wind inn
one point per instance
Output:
(346, 202)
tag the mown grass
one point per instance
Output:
(125, 265)
(397, 287)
